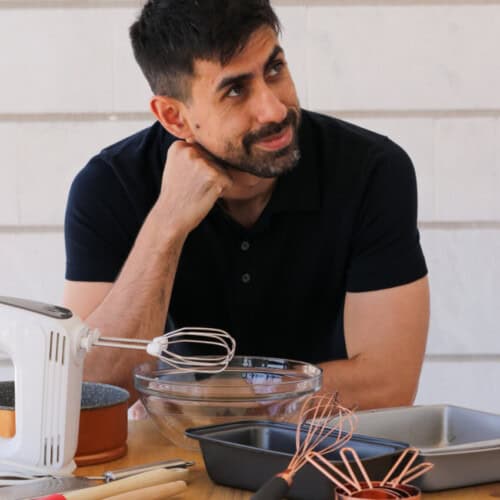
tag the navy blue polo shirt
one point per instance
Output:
(344, 220)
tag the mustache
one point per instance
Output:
(270, 129)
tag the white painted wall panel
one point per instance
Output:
(8, 182)
(472, 384)
(43, 158)
(131, 91)
(465, 288)
(467, 169)
(57, 60)
(294, 21)
(403, 57)
(32, 265)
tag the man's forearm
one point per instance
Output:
(361, 386)
(137, 304)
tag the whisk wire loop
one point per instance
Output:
(327, 469)
(413, 452)
(159, 347)
(359, 464)
(315, 420)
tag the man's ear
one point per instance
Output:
(170, 113)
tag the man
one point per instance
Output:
(293, 231)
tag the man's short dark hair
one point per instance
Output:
(170, 34)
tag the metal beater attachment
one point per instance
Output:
(159, 347)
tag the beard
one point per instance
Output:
(266, 164)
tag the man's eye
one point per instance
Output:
(235, 91)
(276, 68)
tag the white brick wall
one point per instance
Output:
(45, 156)
(407, 56)
(425, 73)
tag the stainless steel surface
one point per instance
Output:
(44, 486)
(49, 310)
(435, 429)
(130, 471)
(463, 444)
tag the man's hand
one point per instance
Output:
(191, 185)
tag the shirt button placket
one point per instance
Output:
(246, 276)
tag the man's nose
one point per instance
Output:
(268, 108)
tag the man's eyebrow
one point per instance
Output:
(228, 81)
(238, 79)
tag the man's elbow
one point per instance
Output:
(397, 392)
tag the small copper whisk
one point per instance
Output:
(313, 428)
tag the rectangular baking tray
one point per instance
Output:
(246, 454)
(463, 444)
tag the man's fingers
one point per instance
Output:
(192, 183)
(223, 180)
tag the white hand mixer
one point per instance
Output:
(47, 345)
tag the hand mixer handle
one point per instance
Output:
(49, 310)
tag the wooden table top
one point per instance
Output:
(146, 444)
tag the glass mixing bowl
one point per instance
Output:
(250, 388)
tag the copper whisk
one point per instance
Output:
(314, 427)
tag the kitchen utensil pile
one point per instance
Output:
(317, 414)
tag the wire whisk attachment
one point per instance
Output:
(214, 339)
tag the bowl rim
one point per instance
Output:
(315, 380)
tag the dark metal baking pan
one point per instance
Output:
(463, 444)
(246, 454)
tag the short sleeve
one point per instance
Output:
(97, 225)
(386, 249)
